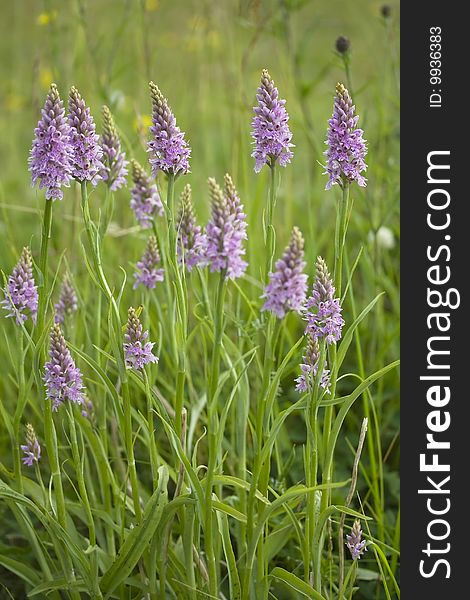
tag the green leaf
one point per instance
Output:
(361, 387)
(61, 583)
(297, 584)
(19, 568)
(229, 510)
(184, 459)
(233, 578)
(348, 336)
(291, 494)
(138, 539)
(104, 378)
(58, 534)
(347, 405)
(271, 395)
(384, 561)
(231, 481)
(367, 575)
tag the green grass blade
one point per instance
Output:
(137, 540)
(295, 583)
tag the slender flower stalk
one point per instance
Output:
(346, 147)
(226, 231)
(67, 303)
(63, 379)
(225, 234)
(147, 273)
(272, 139)
(270, 128)
(21, 294)
(145, 199)
(137, 350)
(31, 449)
(287, 287)
(114, 160)
(137, 353)
(191, 240)
(87, 152)
(118, 353)
(50, 160)
(356, 545)
(346, 152)
(343, 47)
(50, 163)
(213, 426)
(324, 328)
(83, 494)
(169, 151)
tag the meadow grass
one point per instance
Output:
(207, 474)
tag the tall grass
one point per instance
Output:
(207, 474)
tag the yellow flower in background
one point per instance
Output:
(46, 17)
(142, 123)
(197, 22)
(213, 39)
(151, 5)
(45, 78)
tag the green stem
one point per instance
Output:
(261, 433)
(18, 414)
(365, 404)
(41, 485)
(188, 537)
(181, 324)
(347, 69)
(269, 230)
(164, 256)
(93, 240)
(42, 287)
(218, 332)
(259, 473)
(312, 553)
(98, 354)
(51, 447)
(151, 432)
(340, 236)
(130, 450)
(117, 347)
(212, 434)
(84, 498)
(170, 203)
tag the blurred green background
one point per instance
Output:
(206, 56)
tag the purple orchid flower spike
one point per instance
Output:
(169, 151)
(346, 147)
(87, 153)
(270, 128)
(226, 230)
(21, 294)
(114, 160)
(287, 287)
(50, 160)
(137, 350)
